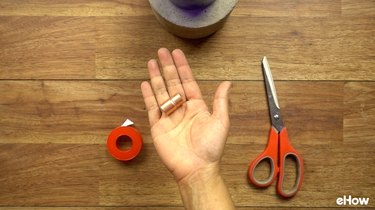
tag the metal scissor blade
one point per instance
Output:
(269, 79)
(273, 103)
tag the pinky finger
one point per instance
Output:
(151, 103)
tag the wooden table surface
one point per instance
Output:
(70, 72)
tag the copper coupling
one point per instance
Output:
(172, 104)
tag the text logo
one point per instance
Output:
(351, 201)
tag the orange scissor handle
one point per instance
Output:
(271, 154)
(287, 150)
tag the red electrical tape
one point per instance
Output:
(130, 132)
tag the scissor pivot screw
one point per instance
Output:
(276, 116)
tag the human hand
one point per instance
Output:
(190, 139)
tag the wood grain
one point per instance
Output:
(358, 8)
(74, 8)
(144, 208)
(66, 114)
(84, 112)
(297, 48)
(70, 71)
(48, 174)
(47, 47)
(359, 113)
(288, 8)
(269, 8)
(67, 173)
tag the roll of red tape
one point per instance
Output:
(134, 136)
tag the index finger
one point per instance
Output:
(189, 84)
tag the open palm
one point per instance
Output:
(190, 138)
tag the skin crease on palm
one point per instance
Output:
(191, 138)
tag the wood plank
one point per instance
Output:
(145, 208)
(99, 208)
(47, 47)
(48, 175)
(75, 8)
(60, 174)
(320, 48)
(287, 8)
(84, 112)
(359, 113)
(258, 8)
(56, 174)
(81, 112)
(298, 49)
(358, 8)
(67, 117)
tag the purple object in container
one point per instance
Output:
(192, 4)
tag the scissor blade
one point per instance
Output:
(269, 80)
(273, 103)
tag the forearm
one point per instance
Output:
(205, 189)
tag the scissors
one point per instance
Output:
(278, 148)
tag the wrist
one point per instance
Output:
(204, 175)
(205, 189)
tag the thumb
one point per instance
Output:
(220, 105)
